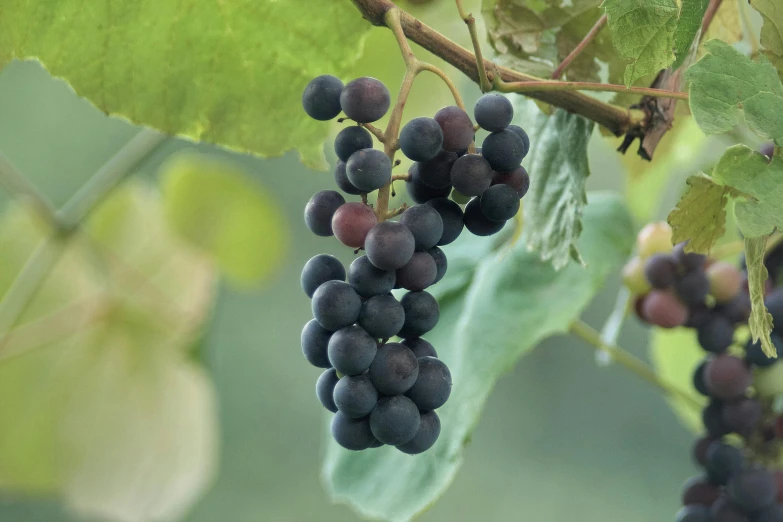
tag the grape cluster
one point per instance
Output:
(385, 392)
(743, 429)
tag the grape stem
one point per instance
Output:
(554, 85)
(579, 48)
(630, 362)
(402, 177)
(484, 82)
(378, 133)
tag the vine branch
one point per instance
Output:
(19, 187)
(484, 82)
(579, 48)
(553, 85)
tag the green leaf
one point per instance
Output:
(760, 321)
(759, 181)
(700, 216)
(230, 73)
(480, 336)
(675, 354)
(772, 30)
(99, 402)
(691, 16)
(220, 209)
(643, 31)
(558, 168)
(724, 84)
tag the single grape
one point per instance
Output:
(436, 173)
(351, 350)
(320, 209)
(654, 238)
(689, 261)
(342, 181)
(752, 489)
(324, 389)
(389, 245)
(727, 377)
(692, 287)
(441, 263)
(418, 191)
(742, 416)
(352, 434)
(336, 305)
(394, 369)
(433, 386)
(716, 334)
(365, 100)
(693, 513)
(351, 139)
(421, 314)
(661, 271)
(395, 420)
(755, 355)
(451, 216)
(723, 462)
(315, 339)
(369, 280)
(499, 203)
(477, 223)
(767, 149)
(420, 347)
(523, 135)
(382, 316)
(699, 490)
(320, 269)
(368, 169)
(773, 513)
(426, 436)
(425, 224)
(700, 450)
(712, 418)
(418, 273)
(471, 175)
(503, 150)
(493, 112)
(355, 396)
(725, 281)
(664, 310)
(352, 222)
(421, 139)
(518, 178)
(634, 278)
(321, 97)
(737, 310)
(698, 379)
(457, 128)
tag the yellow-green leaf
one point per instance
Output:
(760, 321)
(700, 216)
(219, 208)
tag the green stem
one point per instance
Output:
(589, 37)
(20, 188)
(484, 84)
(630, 362)
(557, 86)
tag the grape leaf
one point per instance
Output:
(558, 168)
(772, 30)
(497, 322)
(675, 354)
(724, 83)
(99, 401)
(216, 206)
(760, 321)
(230, 73)
(700, 216)
(643, 31)
(691, 16)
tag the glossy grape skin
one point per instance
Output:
(441, 263)
(421, 139)
(352, 222)
(320, 209)
(503, 150)
(342, 181)
(365, 100)
(451, 216)
(369, 280)
(493, 112)
(321, 97)
(418, 273)
(499, 203)
(471, 175)
(352, 434)
(336, 305)
(390, 245)
(382, 316)
(324, 389)
(433, 386)
(477, 223)
(315, 340)
(351, 350)
(351, 139)
(320, 269)
(426, 435)
(355, 396)
(518, 178)
(394, 369)
(395, 420)
(457, 128)
(436, 173)
(368, 169)
(425, 224)
(421, 314)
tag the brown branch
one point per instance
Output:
(553, 85)
(579, 48)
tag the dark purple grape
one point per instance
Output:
(698, 315)
(395, 420)
(382, 316)
(699, 490)
(425, 224)
(320, 209)
(352, 434)
(342, 181)
(727, 377)
(394, 369)
(767, 149)
(742, 416)
(517, 178)
(351, 350)
(523, 135)
(755, 355)
(723, 462)
(737, 310)
(477, 223)
(321, 97)
(700, 450)
(724, 511)
(336, 305)
(712, 417)
(420, 347)
(369, 280)
(426, 436)
(457, 128)
(451, 215)
(692, 287)
(499, 203)
(471, 175)
(717, 334)
(315, 339)
(660, 271)
(352, 222)
(690, 261)
(355, 396)
(365, 100)
(773, 513)
(421, 314)
(433, 386)
(698, 379)
(421, 139)
(418, 273)
(752, 489)
(320, 269)
(493, 112)
(436, 173)
(324, 389)
(351, 139)
(503, 150)
(418, 191)
(368, 169)
(441, 263)
(389, 245)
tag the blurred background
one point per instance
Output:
(561, 438)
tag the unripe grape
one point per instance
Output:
(725, 281)
(634, 278)
(768, 382)
(654, 238)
